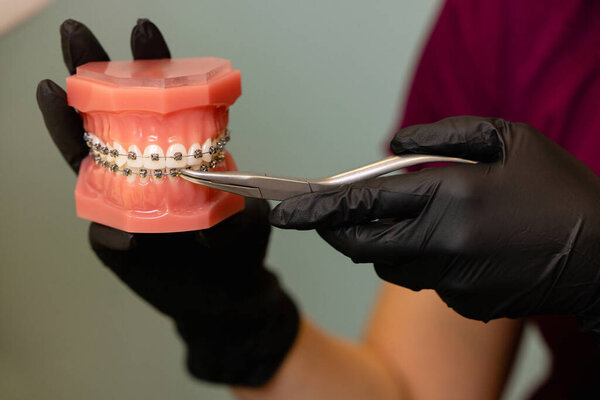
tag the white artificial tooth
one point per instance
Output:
(154, 157)
(206, 156)
(144, 179)
(102, 146)
(121, 159)
(176, 156)
(134, 152)
(215, 141)
(194, 148)
(93, 138)
(109, 156)
(133, 174)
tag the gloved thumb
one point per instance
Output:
(473, 138)
(107, 238)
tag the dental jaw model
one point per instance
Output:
(144, 121)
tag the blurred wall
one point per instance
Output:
(322, 82)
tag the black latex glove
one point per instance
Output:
(516, 235)
(237, 322)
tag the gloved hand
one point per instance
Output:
(516, 235)
(236, 321)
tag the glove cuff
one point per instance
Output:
(245, 343)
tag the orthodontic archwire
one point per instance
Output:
(217, 152)
(97, 147)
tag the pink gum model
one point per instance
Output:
(144, 121)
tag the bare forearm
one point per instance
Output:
(415, 347)
(321, 366)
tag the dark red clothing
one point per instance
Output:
(533, 61)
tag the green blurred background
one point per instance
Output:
(322, 83)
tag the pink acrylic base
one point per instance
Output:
(154, 106)
(94, 206)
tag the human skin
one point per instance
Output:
(414, 347)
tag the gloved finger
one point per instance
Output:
(394, 251)
(248, 228)
(147, 41)
(105, 237)
(386, 242)
(121, 253)
(473, 138)
(417, 273)
(400, 196)
(79, 45)
(63, 123)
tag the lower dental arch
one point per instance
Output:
(205, 160)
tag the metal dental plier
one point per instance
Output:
(281, 188)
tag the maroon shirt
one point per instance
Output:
(533, 61)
